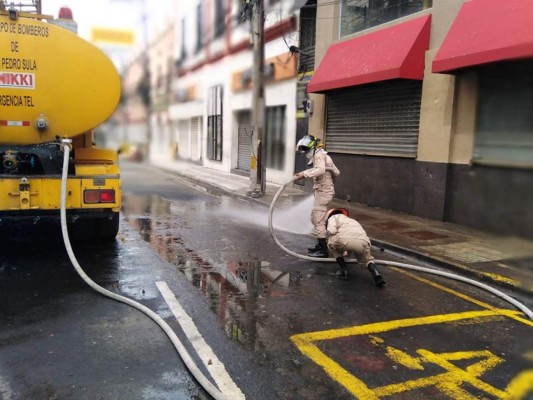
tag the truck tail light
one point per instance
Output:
(107, 196)
(95, 196)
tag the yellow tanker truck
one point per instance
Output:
(55, 85)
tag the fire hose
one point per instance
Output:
(488, 288)
(182, 351)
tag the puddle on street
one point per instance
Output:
(232, 289)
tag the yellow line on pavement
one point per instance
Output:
(355, 386)
(471, 374)
(500, 278)
(400, 323)
(401, 357)
(511, 314)
(520, 386)
(305, 343)
(449, 382)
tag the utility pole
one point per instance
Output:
(258, 170)
(148, 77)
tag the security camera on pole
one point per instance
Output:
(257, 170)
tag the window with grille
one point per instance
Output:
(306, 55)
(220, 18)
(275, 137)
(214, 123)
(199, 27)
(504, 126)
(183, 51)
(357, 15)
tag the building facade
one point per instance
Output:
(210, 108)
(425, 106)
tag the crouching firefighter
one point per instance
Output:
(347, 235)
(323, 172)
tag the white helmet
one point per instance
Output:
(308, 142)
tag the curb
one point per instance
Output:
(212, 186)
(465, 271)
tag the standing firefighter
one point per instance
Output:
(323, 173)
(346, 234)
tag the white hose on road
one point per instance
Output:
(490, 289)
(200, 377)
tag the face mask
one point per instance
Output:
(309, 154)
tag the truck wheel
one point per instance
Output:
(82, 230)
(107, 229)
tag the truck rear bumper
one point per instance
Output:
(37, 195)
(45, 216)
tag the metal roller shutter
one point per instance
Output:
(195, 129)
(380, 118)
(183, 139)
(244, 143)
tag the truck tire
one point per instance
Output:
(82, 230)
(107, 228)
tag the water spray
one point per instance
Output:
(490, 289)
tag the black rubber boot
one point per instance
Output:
(322, 252)
(378, 279)
(343, 273)
(315, 248)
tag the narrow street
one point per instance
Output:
(161, 137)
(281, 328)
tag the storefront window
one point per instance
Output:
(220, 18)
(504, 126)
(275, 137)
(357, 15)
(214, 123)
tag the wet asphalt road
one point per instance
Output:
(421, 337)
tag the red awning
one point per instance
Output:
(390, 53)
(485, 31)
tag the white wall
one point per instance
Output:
(220, 73)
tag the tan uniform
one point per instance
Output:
(346, 234)
(322, 173)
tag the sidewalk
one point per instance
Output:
(496, 260)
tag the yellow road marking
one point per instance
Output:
(500, 278)
(404, 359)
(520, 386)
(448, 382)
(400, 323)
(351, 383)
(463, 296)
(471, 374)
